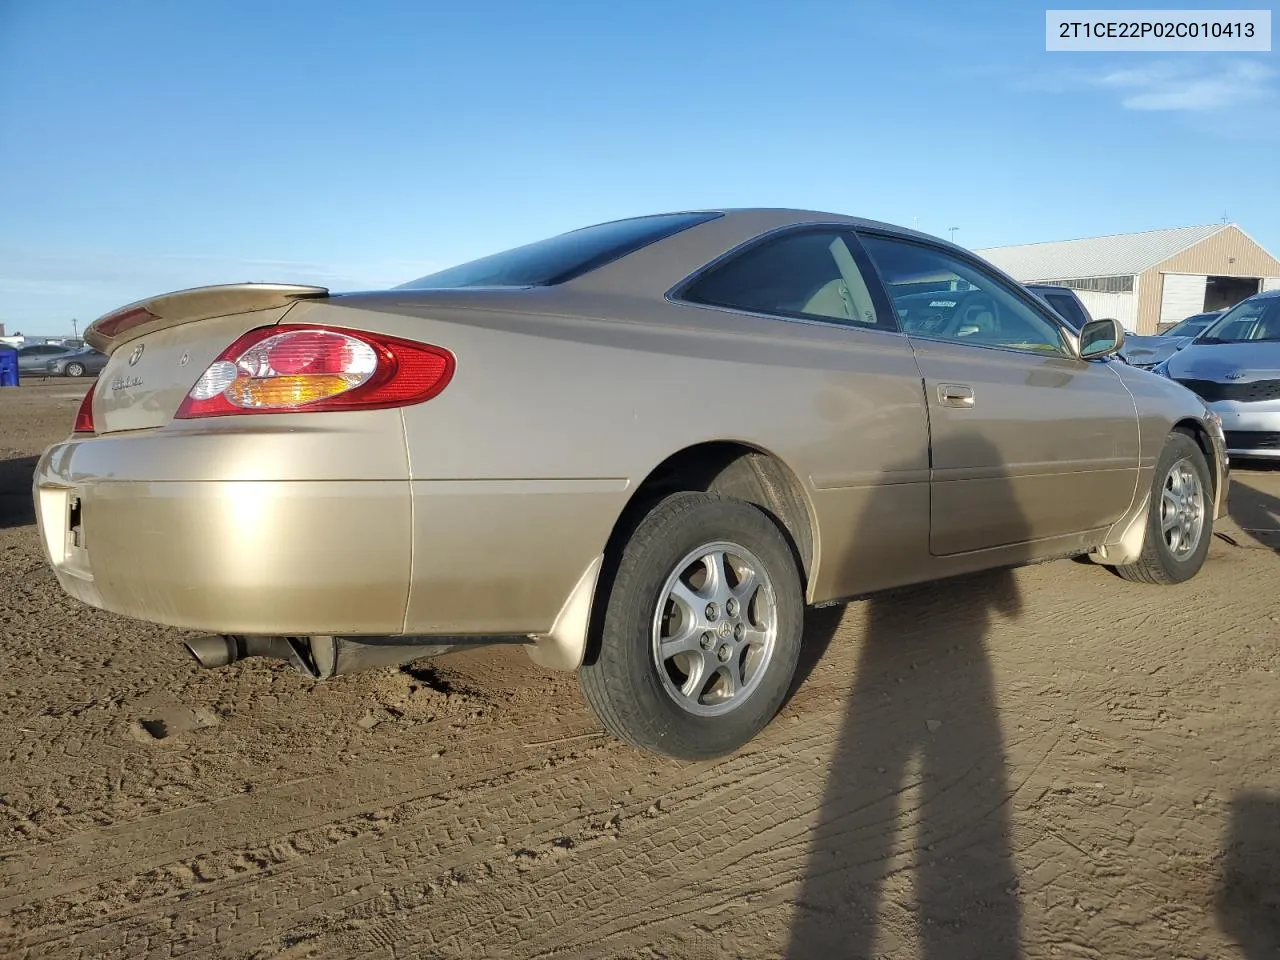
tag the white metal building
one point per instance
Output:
(1152, 278)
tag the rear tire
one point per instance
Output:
(1179, 517)
(75, 370)
(701, 629)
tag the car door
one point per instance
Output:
(1028, 442)
(855, 427)
(33, 358)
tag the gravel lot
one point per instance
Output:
(1045, 763)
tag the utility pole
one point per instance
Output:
(74, 333)
(953, 233)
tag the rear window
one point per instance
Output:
(562, 257)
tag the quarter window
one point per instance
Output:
(810, 274)
(941, 297)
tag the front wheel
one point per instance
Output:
(1179, 519)
(701, 629)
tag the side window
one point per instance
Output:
(812, 274)
(942, 297)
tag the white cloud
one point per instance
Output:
(1169, 86)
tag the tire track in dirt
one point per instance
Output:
(784, 845)
(192, 833)
(545, 847)
(883, 822)
(557, 828)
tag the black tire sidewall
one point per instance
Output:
(676, 526)
(1181, 447)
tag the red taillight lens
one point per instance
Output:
(297, 369)
(84, 416)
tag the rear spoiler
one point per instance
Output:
(119, 327)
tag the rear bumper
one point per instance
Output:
(290, 557)
(172, 528)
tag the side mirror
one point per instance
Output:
(1101, 338)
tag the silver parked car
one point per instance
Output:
(34, 357)
(1234, 366)
(77, 363)
(1147, 351)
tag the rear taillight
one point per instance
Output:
(84, 416)
(297, 369)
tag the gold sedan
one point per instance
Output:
(639, 449)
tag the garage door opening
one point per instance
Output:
(1223, 292)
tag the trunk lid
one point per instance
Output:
(158, 348)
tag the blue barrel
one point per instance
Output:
(8, 367)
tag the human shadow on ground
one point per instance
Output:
(17, 509)
(921, 743)
(1248, 901)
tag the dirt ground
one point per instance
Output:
(1045, 763)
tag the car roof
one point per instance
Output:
(656, 268)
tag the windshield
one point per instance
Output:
(562, 257)
(1191, 325)
(1253, 319)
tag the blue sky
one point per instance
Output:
(148, 145)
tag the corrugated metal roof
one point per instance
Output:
(1119, 255)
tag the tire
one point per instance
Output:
(1161, 562)
(679, 704)
(74, 370)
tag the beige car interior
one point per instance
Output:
(846, 298)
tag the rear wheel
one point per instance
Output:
(1179, 519)
(75, 370)
(701, 629)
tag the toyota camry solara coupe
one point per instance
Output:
(638, 449)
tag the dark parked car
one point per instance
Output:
(35, 357)
(77, 363)
(1065, 301)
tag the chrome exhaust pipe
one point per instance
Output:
(212, 651)
(218, 650)
(322, 657)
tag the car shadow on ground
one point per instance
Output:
(1248, 901)
(820, 626)
(918, 785)
(1255, 511)
(17, 509)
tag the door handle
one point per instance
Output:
(955, 395)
